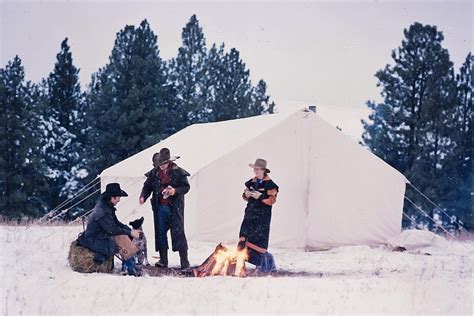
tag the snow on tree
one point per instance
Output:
(22, 184)
(62, 122)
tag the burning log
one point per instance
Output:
(224, 261)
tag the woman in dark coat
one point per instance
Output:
(103, 226)
(260, 193)
(168, 183)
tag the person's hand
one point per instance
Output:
(171, 191)
(135, 233)
(247, 193)
(255, 194)
(141, 200)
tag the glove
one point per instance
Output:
(255, 194)
(247, 193)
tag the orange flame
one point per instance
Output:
(230, 261)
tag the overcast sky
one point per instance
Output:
(323, 53)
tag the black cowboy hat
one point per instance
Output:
(136, 224)
(113, 189)
(162, 157)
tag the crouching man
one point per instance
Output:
(105, 235)
(168, 183)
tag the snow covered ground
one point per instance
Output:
(36, 279)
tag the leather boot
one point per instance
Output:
(183, 256)
(163, 262)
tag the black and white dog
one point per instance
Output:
(141, 257)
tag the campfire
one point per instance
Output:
(224, 261)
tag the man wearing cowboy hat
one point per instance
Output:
(168, 183)
(104, 231)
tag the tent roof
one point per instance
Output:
(198, 144)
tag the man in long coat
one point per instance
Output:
(167, 183)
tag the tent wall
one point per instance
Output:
(220, 207)
(354, 197)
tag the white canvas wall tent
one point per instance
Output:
(333, 191)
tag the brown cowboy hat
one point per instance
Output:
(162, 157)
(260, 163)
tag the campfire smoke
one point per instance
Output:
(224, 261)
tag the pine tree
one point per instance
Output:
(213, 85)
(62, 125)
(461, 159)
(411, 128)
(22, 184)
(261, 101)
(232, 94)
(188, 73)
(129, 104)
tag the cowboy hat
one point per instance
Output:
(260, 163)
(113, 189)
(162, 157)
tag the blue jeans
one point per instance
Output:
(162, 225)
(129, 266)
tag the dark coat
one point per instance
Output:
(101, 227)
(258, 213)
(152, 186)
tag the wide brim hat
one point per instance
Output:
(260, 163)
(162, 157)
(113, 189)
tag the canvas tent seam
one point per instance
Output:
(309, 116)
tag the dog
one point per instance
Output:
(141, 257)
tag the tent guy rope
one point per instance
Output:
(81, 191)
(427, 215)
(435, 205)
(68, 208)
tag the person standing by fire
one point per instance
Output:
(260, 193)
(168, 183)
